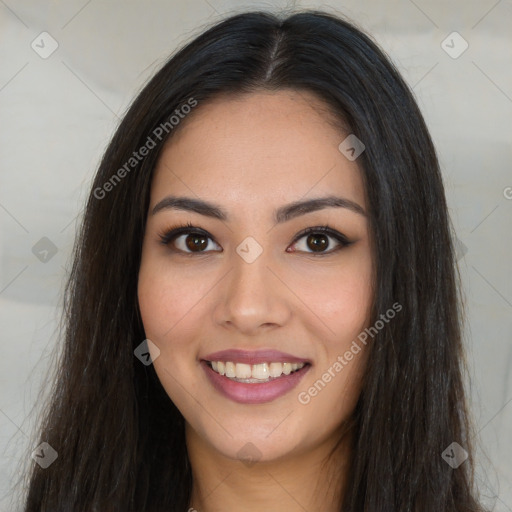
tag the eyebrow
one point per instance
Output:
(282, 214)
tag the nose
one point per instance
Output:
(252, 296)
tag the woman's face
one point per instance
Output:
(252, 284)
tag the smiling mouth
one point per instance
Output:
(255, 373)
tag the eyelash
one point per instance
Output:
(170, 234)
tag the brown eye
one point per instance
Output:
(186, 239)
(317, 243)
(190, 242)
(318, 239)
(196, 241)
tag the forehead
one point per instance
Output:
(261, 147)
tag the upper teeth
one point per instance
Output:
(260, 371)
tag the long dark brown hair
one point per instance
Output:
(120, 439)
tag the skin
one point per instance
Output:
(252, 154)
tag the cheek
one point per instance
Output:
(341, 298)
(333, 390)
(172, 306)
(165, 311)
(338, 392)
(157, 304)
(343, 304)
(167, 299)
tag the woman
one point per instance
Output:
(263, 310)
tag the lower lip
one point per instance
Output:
(254, 393)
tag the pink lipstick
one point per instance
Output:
(254, 392)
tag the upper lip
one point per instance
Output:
(254, 356)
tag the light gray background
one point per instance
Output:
(58, 113)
